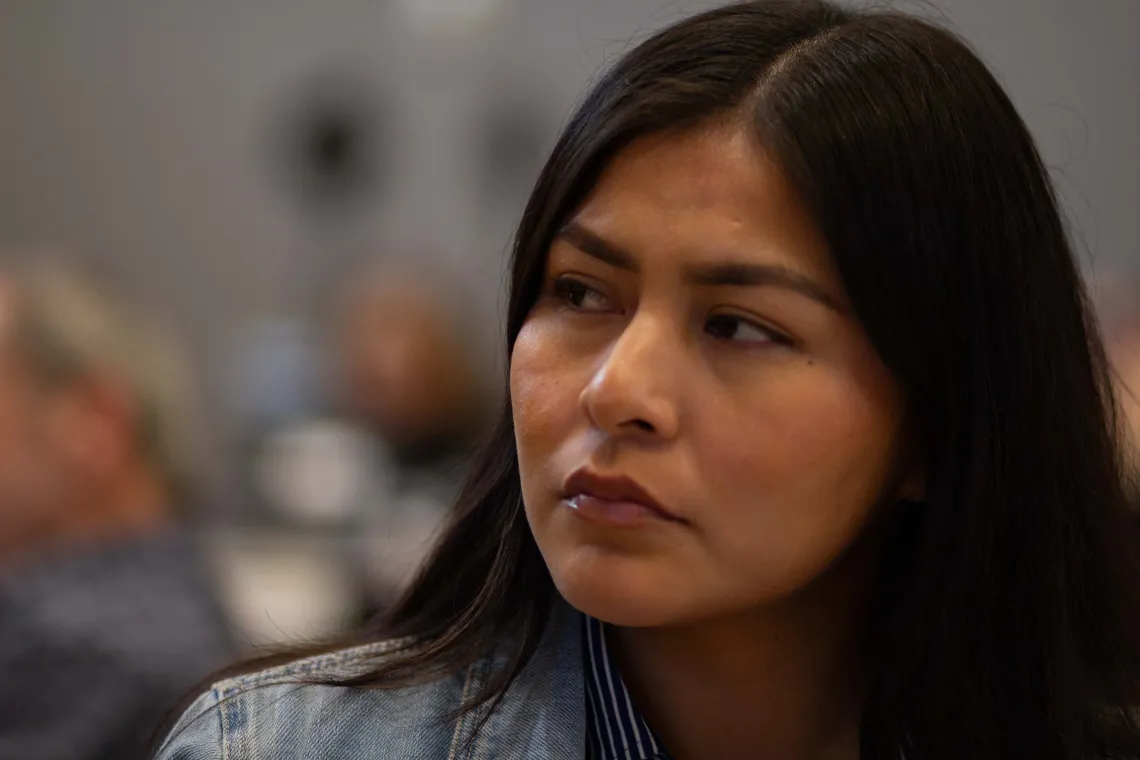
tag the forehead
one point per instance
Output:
(704, 194)
(718, 165)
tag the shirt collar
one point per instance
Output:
(615, 730)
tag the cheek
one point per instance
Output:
(816, 425)
(19, 433)
(798, 482)
(544, 395)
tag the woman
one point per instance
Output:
(810, 450)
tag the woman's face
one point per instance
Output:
(702, 425)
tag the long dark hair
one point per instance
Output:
(1013, 628)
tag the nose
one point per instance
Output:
(633, 392)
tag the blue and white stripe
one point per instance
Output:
(614, 728)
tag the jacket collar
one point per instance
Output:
(543, 712)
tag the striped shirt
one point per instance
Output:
(615, 729)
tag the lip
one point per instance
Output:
(614, 500)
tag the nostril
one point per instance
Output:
(642, 424)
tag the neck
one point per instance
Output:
(785, 682)
(126, 507)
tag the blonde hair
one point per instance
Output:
(71, 325)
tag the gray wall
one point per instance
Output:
(136, 131)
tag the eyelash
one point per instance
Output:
(775, 337)
(566, 289)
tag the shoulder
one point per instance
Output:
(282, 712)
(285, 713)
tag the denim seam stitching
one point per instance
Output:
(223, 721)
(312, 665)
(473, 750)
(456, 738)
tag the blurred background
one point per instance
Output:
(314, 201)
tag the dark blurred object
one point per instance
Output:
(106, 617)
(328, 145)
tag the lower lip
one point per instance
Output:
(614, 513)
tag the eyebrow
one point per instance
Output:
(725, 274)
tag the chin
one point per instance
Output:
(618, 594)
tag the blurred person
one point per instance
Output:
(105, 614)
(407, 362)
(409, 373)
(810, 449)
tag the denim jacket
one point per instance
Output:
(269, 716)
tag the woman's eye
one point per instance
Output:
(580, 296)
(731, 328)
